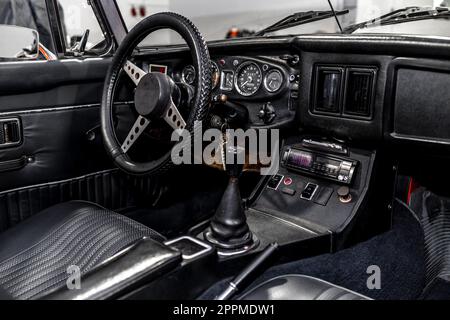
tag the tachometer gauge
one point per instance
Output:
(188, 75)
(248, 78)
(273, 80)
(215, 75)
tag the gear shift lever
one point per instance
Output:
(229, 230)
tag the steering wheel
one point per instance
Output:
(153, 97)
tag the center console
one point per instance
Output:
(309, 207)
(320, 189)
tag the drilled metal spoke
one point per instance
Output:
(174, 118)
(134, 72)
(138, 128)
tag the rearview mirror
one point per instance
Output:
(18, 42)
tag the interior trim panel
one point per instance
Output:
(111, 189)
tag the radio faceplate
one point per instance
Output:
(319, 164)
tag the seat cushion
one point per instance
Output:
(35, 255)
(300, 287)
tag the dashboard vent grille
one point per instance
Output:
(359, 92)
(328, 87)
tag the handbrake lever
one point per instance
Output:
(249, 273)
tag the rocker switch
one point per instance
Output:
(275, 181)
(309, 191)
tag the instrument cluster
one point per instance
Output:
(243, 77)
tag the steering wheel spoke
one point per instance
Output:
(153, 93)
(138, 128)
(134, 72)
(174, 118)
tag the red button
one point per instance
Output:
(287, 181)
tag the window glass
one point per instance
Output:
(77, 16)
(134, 11)
(218, 19)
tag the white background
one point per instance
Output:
(215, 17)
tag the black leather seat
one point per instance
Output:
(35, 255)
(300, 287)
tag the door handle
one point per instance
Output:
(16, 164)
(10, 132)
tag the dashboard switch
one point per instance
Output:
(309, 191)
(267, 113)
(275, 181)
(287, 181)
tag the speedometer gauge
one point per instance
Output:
(248, 79)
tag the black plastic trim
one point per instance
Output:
(55, 26)
(389, 116)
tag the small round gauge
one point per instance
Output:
(215, 75)
(188, 75)
(273, 80)
(248, 78)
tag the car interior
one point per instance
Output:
(87, 176)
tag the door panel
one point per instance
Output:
(111, 189)
(57, 142)
(38, 84)
(57, 103)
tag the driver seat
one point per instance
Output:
(36, 254)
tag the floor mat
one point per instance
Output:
(398, 253)
(433, 212)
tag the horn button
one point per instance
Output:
(153, 94)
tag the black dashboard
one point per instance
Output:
(266, 86)
(351, 87)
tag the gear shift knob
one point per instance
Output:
(229, 230)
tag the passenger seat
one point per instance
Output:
(300, 287)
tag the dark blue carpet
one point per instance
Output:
(399, 253)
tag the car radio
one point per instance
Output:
(318, 164)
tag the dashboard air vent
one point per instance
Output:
(359, 92)
(328, 85)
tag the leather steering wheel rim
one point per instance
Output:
(200, 105)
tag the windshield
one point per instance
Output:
(219, 19)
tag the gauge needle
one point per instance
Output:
(249, 79)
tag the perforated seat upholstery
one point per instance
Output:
(35, 255)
